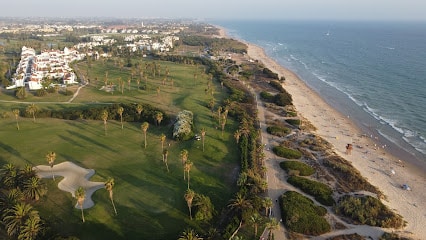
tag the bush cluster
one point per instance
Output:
(304, 169)
(280, 99)
(301, 215)
(277, 85)
(368, 210)
(278, 131)
(287, 152)
(182, 129)
(321, 192)
(270, 74)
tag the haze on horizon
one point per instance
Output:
(382, 10)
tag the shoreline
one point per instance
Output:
(376, 163)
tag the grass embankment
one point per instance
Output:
(368, 210)
(149, 200)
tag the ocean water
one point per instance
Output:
(374, 72)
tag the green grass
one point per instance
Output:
(302, 168)
(301, 215)
(287, 152)
(149, 200)
(321, 192)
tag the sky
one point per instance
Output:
(394, 10)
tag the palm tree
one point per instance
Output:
(165, 154)
(105, 118)
(237, 135)
(240, 203)
(144, 127)
(158, 91)
(267, 204)
(16, 113)
(188, 234)
(158, 117)
(120, 111)
(10, 199)
(219, 112)
(203, 135)
(109, 185)
(31, 228)
(51, 157)
(255, 219)
(184, 155)
(222, 123)
(32, 109)
(80, 195)
(14, 218)
(162, 140)
(21, 93)
(205, 208)
(189, 196)
(186, 169)
(271, 225)
(139, 109)
(34, 188)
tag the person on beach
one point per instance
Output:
(349, 148)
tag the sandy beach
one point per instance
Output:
(375, 163)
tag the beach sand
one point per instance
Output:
(375, 163)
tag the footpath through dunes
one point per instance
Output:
(74, 177)
(374, 162)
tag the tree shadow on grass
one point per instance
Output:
(12, 151)
(72, 141)
(90, 140)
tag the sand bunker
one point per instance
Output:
(74, 177)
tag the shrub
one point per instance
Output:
(294, 122)
(304, 169)
(301, 215)
(277, 85)
(278, 131)
(292, 114)
(269, 73)
(287, 152)
(283, 99)
(182, 129)
(368, 210)
(51, 90)
(68, 93)
(321, 192)
(267, 96)
(41, 92)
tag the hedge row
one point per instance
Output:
(321, 192)
(301, 215)
(94, 112)
(302, 168)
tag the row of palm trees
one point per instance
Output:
(80, 195)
